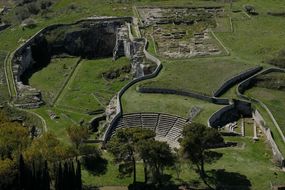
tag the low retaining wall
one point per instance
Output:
(236, 79)
(230, 114)
(275, 150)
(210, 99)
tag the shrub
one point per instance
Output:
(22, 13)
(33, 8)
(29, 23)
(44, 4)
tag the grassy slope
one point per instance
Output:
(178, 105)
(274, 99)
(200, 75)
(51, 78)
(88, 90)
(66, 119)
(258, 38)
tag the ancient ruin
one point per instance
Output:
(181, 32)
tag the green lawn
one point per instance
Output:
(53, 77)
(87, 90)
(66, 119)
(132, 101)
(198, 75)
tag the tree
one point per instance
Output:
(8, 174)
(77, 134)
(124, 147)
(48, 147)
(157, 155)
(195, 144)
(13, 139)
(78, 176)
(46, 177)
(22, 173)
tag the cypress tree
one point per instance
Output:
(58, 179)
(72, 178)
(65, 180)
(22, 173)
(46, 177)
(78, 176)
(33, 177)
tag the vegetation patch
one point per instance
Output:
(273, 80)
(279, 60)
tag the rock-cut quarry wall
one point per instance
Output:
(89, 38)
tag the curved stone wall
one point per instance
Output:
(245, 85)
(236, 79)
(221, 101)
(230, 114)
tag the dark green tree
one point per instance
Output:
(124, 147)
(157, 156)
(195, 144)
(58, 179)
(22, 173)
(77, 134)
(46, 177)
(78, 176)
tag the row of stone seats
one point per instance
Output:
(149, 120)
(175, 132)
(165, 123)
(167, 127)
(132, 120)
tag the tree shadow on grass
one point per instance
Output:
(95, 164)
(224, 180)
(165, 184)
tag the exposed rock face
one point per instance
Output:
(88, 39)
(138, 57)
(122, 47)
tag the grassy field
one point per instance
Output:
(66, 119)
(87, 90)
(236, 162)
(258, 38)
(133, 101)
(198, 75)
(53, 77)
